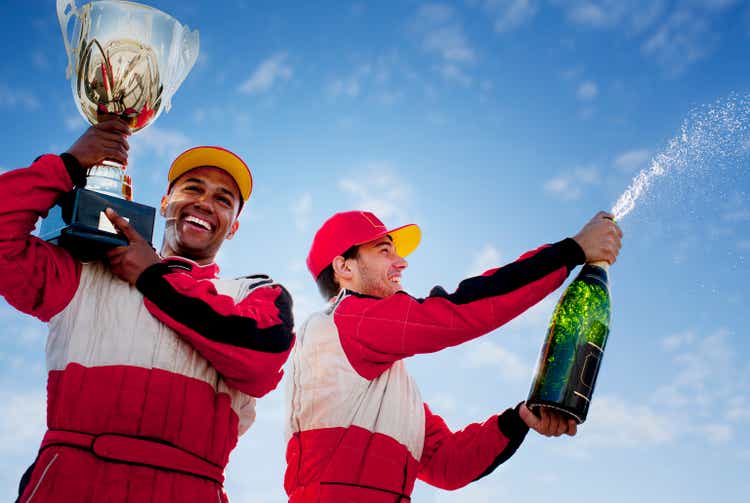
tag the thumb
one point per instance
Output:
(122, 225)
(527, 416)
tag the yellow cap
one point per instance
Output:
(217, 157)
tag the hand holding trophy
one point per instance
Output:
(125, 60)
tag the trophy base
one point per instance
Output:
(78, 223)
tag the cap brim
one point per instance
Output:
(405, 238)
(217, 157)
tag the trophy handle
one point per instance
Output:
(66, 9)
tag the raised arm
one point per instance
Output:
(376, 332)
(36, 277)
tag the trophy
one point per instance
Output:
(124, 60)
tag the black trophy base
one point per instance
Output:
(78, 223)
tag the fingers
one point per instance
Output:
(544, 423)
(122, 225)
(528, 417)
(554, 424)
(572, 427)
(113, 124)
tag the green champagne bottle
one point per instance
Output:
(572, 353)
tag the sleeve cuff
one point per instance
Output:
(511, 425)
(150, 277)
(572, 253)
(513, 428)
(75, 170)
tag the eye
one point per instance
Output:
(225, 201)
(191, 188)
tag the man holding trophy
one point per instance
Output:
(154, 362)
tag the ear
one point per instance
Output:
(342, 268)
(233, 228)
(163, 205)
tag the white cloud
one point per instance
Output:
(612, 422)
(449, 42)
(633, 160)
(443, 403)
(351, 85)
(75, 123)
(587, 91)
(738, 215)
(267, 74)
(634, 16)
(707, 378)
(717, 433)
(301, 210)
(675, 34)
(738, 409)
(443, 36)
(485, 259)
(166, 143)
(10, 98)
(434, 14)
(510, 14)
(488, 354)
(454, 73)
(379, 190)
(570, 186)
(684, 38)
(677, 341)
(22, 421)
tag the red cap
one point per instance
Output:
(351, 228)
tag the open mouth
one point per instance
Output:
(198, 223)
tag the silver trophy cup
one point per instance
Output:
(125, 60)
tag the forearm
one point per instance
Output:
(452, 460)
(35, 277)
(246, 341)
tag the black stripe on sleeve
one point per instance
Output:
(516, 274)
(75, 170)
(512, 426)
(200, 316)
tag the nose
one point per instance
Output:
(400, 263)
(203, 201)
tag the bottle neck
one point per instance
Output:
(601, 263)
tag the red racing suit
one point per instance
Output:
(358, 430)
(149, 386)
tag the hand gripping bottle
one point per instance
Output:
(569, 362)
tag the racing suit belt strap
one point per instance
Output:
(136, 450)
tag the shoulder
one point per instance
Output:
(262, 286)
(356, 304)
(255, 281)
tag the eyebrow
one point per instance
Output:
(201, 182)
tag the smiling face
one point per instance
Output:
(201, 212)
(376, 270)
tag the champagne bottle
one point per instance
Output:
(570, 358)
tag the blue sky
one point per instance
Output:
(497, 125)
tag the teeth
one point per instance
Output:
(199, 222)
